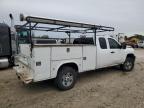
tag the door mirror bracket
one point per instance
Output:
(123, 45)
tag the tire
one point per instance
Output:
(11, 62)
(128, 64)
(66, 78)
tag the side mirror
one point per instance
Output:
(123, 46)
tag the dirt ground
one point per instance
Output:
(106, 88)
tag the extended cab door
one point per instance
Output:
(103, 53)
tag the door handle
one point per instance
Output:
(84, 58)
(112, 52)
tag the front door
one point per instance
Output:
(115, 51)
(104, 57)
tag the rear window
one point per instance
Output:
(44, 41)
(84, 41)
(102, 42)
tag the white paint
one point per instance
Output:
(52, 57)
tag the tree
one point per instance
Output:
(141, 37)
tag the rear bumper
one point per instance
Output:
(24, 73)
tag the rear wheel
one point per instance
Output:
(66, 78)
(128, 64)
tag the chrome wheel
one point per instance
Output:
(67, 79)
(128, 65)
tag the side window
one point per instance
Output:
(88, 40)
(102, 42)
(113, 44)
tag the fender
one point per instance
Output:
(129, 52)
(55, 65)
(131, 55)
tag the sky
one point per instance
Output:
(126, 16)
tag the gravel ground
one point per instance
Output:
(105, 88)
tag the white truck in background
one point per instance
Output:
(141, 44)
(63, 62)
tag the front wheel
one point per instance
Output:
(66, 78)
(128, 64)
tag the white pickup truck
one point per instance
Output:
(63, 62)
(141, 44)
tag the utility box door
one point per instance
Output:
(89, 58)
(42, 63)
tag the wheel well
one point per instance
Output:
(131, 56)
(73, 65)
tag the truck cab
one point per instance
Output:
(111, 52)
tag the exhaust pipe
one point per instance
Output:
(12, 20)
(13, 34)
